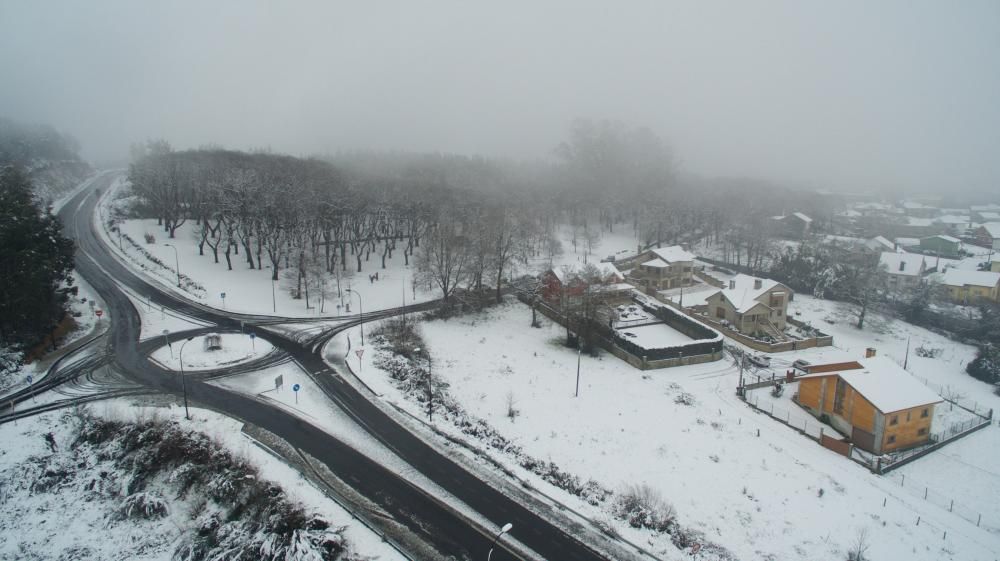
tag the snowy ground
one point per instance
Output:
(236, 348)
(656, 336)
(252, 291)
(758, 496)
(72, 523)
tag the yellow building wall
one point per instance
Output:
(859, 412)
(810, 390)
(907, 428)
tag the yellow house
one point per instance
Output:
(664, 267)
(969, 287)
(873, 401)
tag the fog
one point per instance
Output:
(838, 95)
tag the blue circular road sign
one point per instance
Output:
(295, 388)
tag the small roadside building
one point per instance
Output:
(945, 246)
(753, 306)
(873, 401)
(663, 268)
(969, 287)
(795, 225)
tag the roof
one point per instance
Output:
(961, 277)
(953, 219)
(992, 229)
(990, 215)
(991, 206)
(744, 296)
(885, 385)
(908, 264)
(673, 254)
(908, 241)
(880, 242)
(948, 239)
(567, 271)
(657, 263)
(802, 217)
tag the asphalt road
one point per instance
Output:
(448, 532)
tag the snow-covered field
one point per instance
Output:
(252, 291)
(776, 496)
(656, 336)
(73, 522)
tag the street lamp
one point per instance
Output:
(180, 355)
(166, 341)
(361, 315)
(579, 350)
(506, 528)
(177, 263)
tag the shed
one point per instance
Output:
(213, 342)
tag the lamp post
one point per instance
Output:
(430, 388)
(361, 315)
(166, 341)
(578, 352)
(177, 263)
(180, 355)
(506, 528)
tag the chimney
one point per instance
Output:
(757, 283)
(869, 352)
(732, 284)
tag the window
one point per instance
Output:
(891, 440)
(922, 431)
(838, 396)
(720, 312)
(924, 413)
(894, 420)
(907, 416)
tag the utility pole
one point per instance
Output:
(579, 351)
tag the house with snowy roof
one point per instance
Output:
(753, 306)
(969, 287)
(663, 267)
(880, 243)
(989, 235)
(564, 285)
(795, 225)
(904, 271)
(873, 401)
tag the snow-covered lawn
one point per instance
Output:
(236, 348)
(776, 496)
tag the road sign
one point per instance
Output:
(279, 381)
(253, 335)
(359, 352)
(92, 304)
(223, 295)
(295, 388)
(99, 313)
(30, 378)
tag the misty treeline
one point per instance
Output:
(470, 223)
(49, 158)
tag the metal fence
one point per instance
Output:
(967, 512)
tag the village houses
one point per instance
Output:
(663, 268)
(904, 271)
(753, 306)
(970, 287)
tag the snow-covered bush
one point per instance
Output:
(986, 365)
(684, 398)
(643, 507)
(142, 505)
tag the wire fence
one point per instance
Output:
(809, 427)
(956, 398)
(970, 513)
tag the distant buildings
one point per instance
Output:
(988, 235)
(904, 270)
(945, 246)
(969, 287)
(565, 286)
(795, 225)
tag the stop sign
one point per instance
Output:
(99, 313)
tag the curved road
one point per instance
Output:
(449, 532)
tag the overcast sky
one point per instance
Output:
(841, 95)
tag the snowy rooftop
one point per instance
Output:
(950, 239)
(953, 219)
(802, 217)
(980, 208)
(886, 385)
(657, 263)
(606, 270)
(902, 263)
(960, 277)
(914, 221)
(743, 295)
(993, 229)
(673, 254)
(908, 241)
(880, 242)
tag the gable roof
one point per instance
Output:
(656, 263)
(962, 277)
(802, 217)
(908, 264)
(880, 242)
(743, 296)
(948, 239)
(606, 270)
(673, 254)
(992, 229)
(885, 385)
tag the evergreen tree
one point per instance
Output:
(35, 264)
